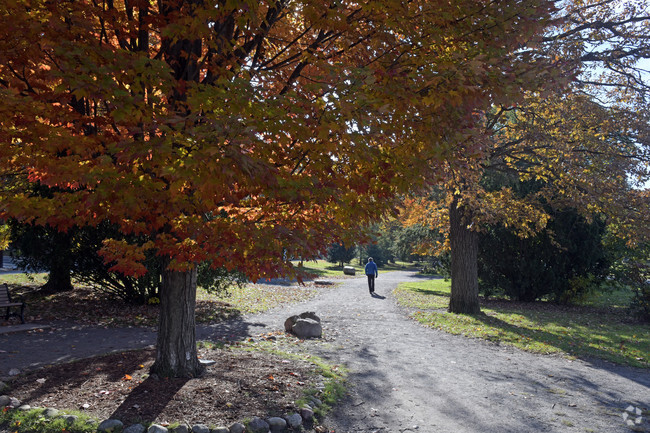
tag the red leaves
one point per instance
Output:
(317, 137)
(127, 257)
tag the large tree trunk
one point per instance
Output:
(59, 263)
(59, 280)
(464, 264)
(176, 354)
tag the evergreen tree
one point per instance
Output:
(561, 262)
(338, 253)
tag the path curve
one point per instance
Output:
(404, 377)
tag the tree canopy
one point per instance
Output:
(217, 127)
(587, 141)
(243, 133)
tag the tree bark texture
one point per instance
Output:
(59, 279)
(464, 262)
(176, 354)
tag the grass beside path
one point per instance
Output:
(323, 268)
(578, 331)
(89, 306)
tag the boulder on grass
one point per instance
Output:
(349, 270)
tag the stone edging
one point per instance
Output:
(303, 418)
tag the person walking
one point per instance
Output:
(372, 273)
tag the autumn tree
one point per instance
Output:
(587, 142)
(240, 133)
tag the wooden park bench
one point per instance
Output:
(6, 302)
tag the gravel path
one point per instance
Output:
(403, 377)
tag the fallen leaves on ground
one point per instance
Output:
(240, 385)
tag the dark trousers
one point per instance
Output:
(371, 283)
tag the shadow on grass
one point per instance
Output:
(574, 347)
(583, 332)
(429, 292)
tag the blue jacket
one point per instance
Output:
(371, 269)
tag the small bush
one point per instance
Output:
(641, 303)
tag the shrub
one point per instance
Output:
(563, 262)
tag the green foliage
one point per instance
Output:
(407, 238)
(24, 279)
(438, 265)
(18, 421)
(631, 269)
(338, 253)
(564, 261)
(641, 303)
(38, 248)
(75, 252)
(378, 254)
(218, 280)
(540, 328)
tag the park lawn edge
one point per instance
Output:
(586, 333)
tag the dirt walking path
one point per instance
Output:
(406, 378)
(403, 377)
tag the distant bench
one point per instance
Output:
(6, 302)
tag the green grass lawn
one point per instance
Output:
(579, 331)
(323, 268)
(95, 307)
(24, 279)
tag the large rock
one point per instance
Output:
(288, 324)
(307, 328)
(349, 270)
(71, 419)
(50, 412)
(304, 325)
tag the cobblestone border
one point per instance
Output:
(300, 420)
